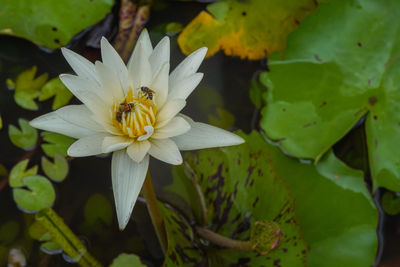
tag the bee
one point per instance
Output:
(147, 92)
(123, 108)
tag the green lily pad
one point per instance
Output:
(56, 88)
(19, 171)
(391, 203)
(249, 29)
(27, 87)
(26, 137)
(324, 86)
(9, 232)
(56, 171)
(127, 260)
(50, 23)
(56, 143)
(97, 208)
(51, 248)
(39, 195)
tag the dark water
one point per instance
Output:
(225, 84)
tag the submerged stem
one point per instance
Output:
(224, 241)
(65, 238)
(154, 211)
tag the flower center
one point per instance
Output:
(136, 115)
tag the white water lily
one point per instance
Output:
(132, 111)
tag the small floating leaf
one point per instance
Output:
(51, 248)
(19, 171)
(56, 88)
(27, 88)
(40, 194)
(56, 171)
(98, 207)
(56, 143)
(391, 203)
(173, 28)
(26, 137)
(9, 232)
(127, 260)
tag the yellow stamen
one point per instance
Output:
(132, 114)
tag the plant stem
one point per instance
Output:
(154, 211)
(224, 241)
(65, 238)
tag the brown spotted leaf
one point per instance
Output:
(249, 29)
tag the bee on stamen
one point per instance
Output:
(147, 92)
(123, 108)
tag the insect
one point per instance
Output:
(147, 92)
(123, 108)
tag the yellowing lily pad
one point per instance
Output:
(248, 29)
(50, 23)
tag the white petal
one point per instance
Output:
(168, 111)
(160, 85)
(160, 55)
(87, 146)
(187, 67)
(112, 59)
(140, 69)
(53, 123)
(127, 180)
(87, 92)
(165, 150)
(149, 132)
(137, 150)
(80, 65)
(81, 116)
(176, 126)
(185, 87)
(110, 83)
(113, 143)
(202, 135)
(145, 42)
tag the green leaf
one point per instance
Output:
(173, 28)
(56, 171)
(9, 232)
(98, 207)
(56, 88)
(325, 196)
(391, 203)
(40, 194)
(38, 232)
(257, 89)
(249, 29)
(51, 248)
(324, 86)
(56, 143)
(50, 23)
(182, 248)
(127, 260)
(27, 87)
(26, 137)
(19, 171)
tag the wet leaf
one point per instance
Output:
(182, 249)
(325, 196)
(19, 171)
(56, 88)
(323, 87)
(39, 194)
(127, 260)
(56, 171)
(241, 187)
(27, 87)
(391, 203)
(56, 143)
(51, 248)
(50, 23)
(97, 208)
(249, 29)
(9, 232)
(26, 137)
